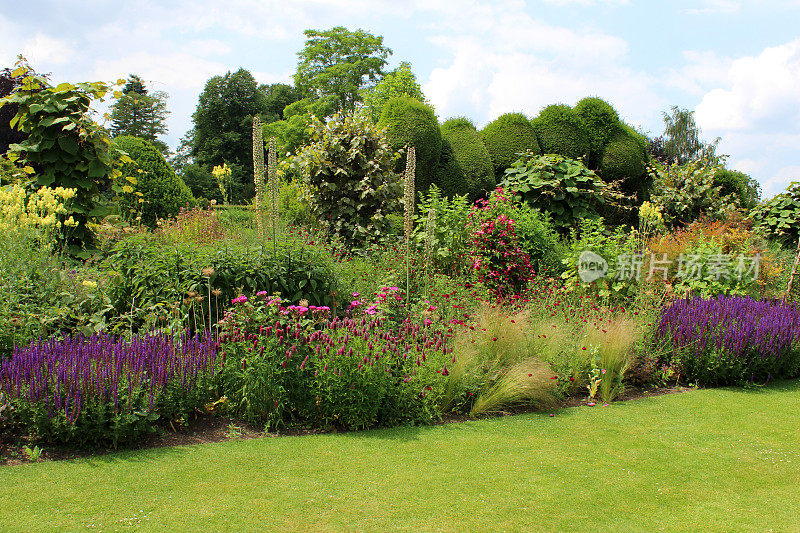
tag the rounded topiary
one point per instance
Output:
(506, 137)
(561, 131)
(475, 173)
(410, 122)
(601, 122)
(161, 191)
(625, 159)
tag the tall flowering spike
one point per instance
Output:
(272, 185)
(408, 198)
(258, 174)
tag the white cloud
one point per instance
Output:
(207, 47)
(761, 91)
(493, 71)
(176, 70)
(703, 71)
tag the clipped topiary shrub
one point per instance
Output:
(740, 184)
(601, 122)
(157, 192)
(410, 122)
(474, 172)
(561, 131)
(625, 159)
(506, 137)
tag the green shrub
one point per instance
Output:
(348, 171)
(563, 187)
(561, 131)
(152, 279)
(293, 208)
(685, 193)
(163, 194)
(739, 184)
(506, 137)
(475, 173)
(625, 159)
(779, 217)
(410, 122)
(601, 121)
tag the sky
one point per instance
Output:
(735, 63)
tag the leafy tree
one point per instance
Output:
(68, 148)
(399, 82)
(681, 139)
(292, 132)
(140, 113)
(779, 217)
(348, 169)
(336, 63)
(223, 128)
(279, 95)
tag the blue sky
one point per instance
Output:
(736, 63)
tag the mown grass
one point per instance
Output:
(712, 460)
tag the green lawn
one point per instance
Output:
(725, 459)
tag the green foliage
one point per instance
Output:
(151, 279)
(681, 139)
(506, 137)
(625, 160)
(293, 208)
(618, 247)
(64, 145)
(44, 294)
(336, 63)
(601, 121)
(745, 188)
(451, 234)
(473, 172)
(779, 217)
(685, 193)
(560, 130)
(201, 182)
(279, 95)
(563, 187)
(293, 132)
(409, 122)
(223, 128)
(347, 169)
(140, 114)
(163, 194)
(399, 82)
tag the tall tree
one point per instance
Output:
(279, 95)
(140, 113)
(9, 135)
(337, 62)
(399, 82)
(681, 139)
(223, 126)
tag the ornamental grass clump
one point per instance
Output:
(495, 367)
(107, 390)
(731, 340)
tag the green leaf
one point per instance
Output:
(69, 144)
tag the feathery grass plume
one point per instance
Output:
(614, 342)
(258, 174)
(496, 366)
(273, 186)
(409, 178)
(430, 229)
